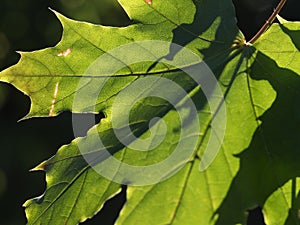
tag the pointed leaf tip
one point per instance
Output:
(281, 19)
(40, 167)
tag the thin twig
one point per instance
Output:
(268, 22)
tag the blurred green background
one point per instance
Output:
(28, 25)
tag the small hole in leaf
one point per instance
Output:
(255, 217)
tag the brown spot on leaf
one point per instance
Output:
(65, 53)
(53, 100)
(149, 2)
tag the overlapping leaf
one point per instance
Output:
(258, 154)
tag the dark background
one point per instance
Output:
(29, 25)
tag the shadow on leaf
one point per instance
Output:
(273, 156)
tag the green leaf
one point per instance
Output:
(272, 158)
(257, 155)
(282, 207)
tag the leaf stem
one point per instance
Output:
(268, 22)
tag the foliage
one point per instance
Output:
(258, 162)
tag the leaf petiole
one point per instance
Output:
(268, 23)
